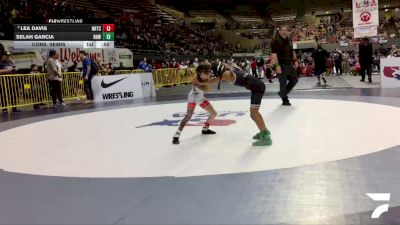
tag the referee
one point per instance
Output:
(285, 61)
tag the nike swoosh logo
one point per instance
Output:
(104, 85)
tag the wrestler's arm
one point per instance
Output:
(210, 81)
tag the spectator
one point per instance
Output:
(149, 67)
(382, 51)
(196, 63)
(376, 63)
(260, 66)
(87, 75)
(268, 71)
(183, 65)
(329, 65)
(320, 56)
(394, 51)
(54, 66)
(357, 68)
(143, 64)
(345, 63)
(74, 67)
(7, 67)
(34, 69)
(365, 57)
(248, 66)
(254, 67)
(97, 66)
(64, 65)
(352, 62)
(158, 65)
(111, 69)
(105, 69)
(41, 69)
(174, 64)
(338, 58)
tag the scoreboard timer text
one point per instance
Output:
(64, 33)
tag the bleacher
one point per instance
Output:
(176, 14)
(143, 9)
(246, 17)
(90, 5)
(327, 7)
(282, 14)
(207, 16)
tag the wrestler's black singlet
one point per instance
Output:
(255, 85)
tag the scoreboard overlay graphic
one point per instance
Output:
(64, 33)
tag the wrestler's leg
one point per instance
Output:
(184, 121)
(206, 105)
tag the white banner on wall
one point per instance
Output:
(368, 31)
(122, 87)
(116, 87)
(390, 72)
(365, 13)
(147, 84)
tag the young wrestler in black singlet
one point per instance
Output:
(238, 77)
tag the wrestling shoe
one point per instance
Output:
(175, 141)
(208, 131)
(258, 135)
(264, 141)
(286, 103)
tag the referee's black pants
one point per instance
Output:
(287, 80)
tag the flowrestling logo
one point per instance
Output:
(392, 72)
(198, 119)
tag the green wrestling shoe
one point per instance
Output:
(258, 135)
(265, 139)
